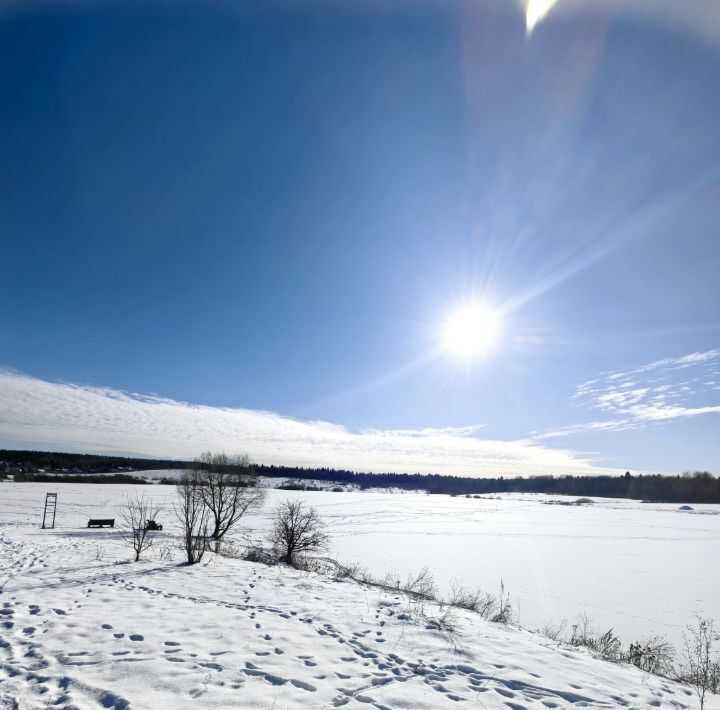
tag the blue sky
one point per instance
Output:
(269, 210)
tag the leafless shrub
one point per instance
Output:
(464, 598)
(192, 514)
(99, 553)
(582, 631)
(606, 645)
(297, 530)
(227, 488)
(445, 622)
(165, 552)
(505, 613)
(355, 572)
(254, 553)
(421, 587)
(247, 551)
(655, 656)
(351, 570)
(312, 564)
(555, 631)
(487, 605)
(699, 665)
(418, 586)
(134, 530)
(700, 660)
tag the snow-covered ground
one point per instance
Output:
(639, 568)
(80, 626)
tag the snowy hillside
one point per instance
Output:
(80, 626)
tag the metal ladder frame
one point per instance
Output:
(50, 498)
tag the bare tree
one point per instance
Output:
(297, 529)
(228, 489)
(192, 515)
(135, 515)
(701, 661)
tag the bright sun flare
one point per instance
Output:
(471, 331)
(536, 11)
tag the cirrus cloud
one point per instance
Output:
(661, 391)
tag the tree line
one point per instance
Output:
(30, 461)
(695, 487)
(691, 487)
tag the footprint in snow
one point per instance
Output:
(137, 637)
(305, 686)
(213, 666)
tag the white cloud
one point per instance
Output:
(39, 414)
(648, 394)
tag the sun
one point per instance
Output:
(536, 11)
(471, 331)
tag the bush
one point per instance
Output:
(504, 613)
(653, 656)
(138, 511)
(606, 645)
(297, 530)
(418, 586)
(700, 659)
(554, 631)
(463, 598)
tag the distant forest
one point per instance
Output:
(697, 487)
(30, 461)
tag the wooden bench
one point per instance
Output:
(152, 525)
(101, 522)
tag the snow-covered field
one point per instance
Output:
(639, 568)
(81, 626)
